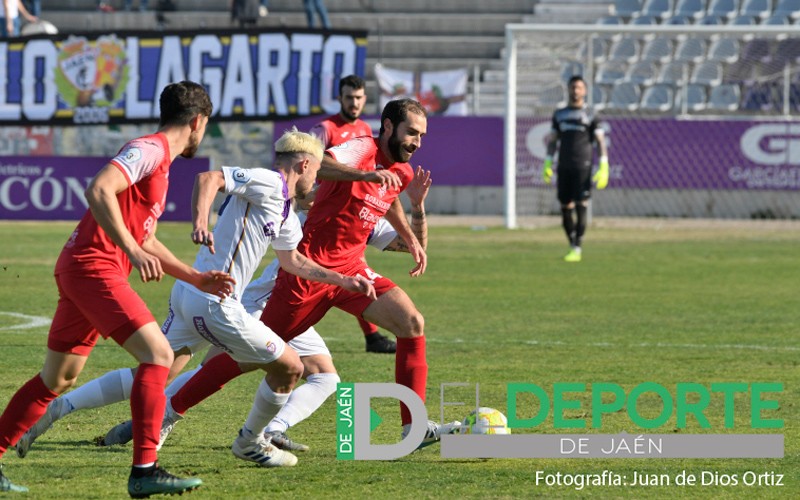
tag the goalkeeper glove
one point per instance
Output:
(601, 176)
(547, 171)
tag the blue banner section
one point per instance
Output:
(117, 78)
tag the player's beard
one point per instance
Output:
(350, 117)
(191, 149)
(399, 154)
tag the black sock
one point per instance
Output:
(138, 472)
(581, 226)
(569, 224)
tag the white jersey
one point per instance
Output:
(256, 215)
(258, 291)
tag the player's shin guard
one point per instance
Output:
(25, 408)
(568, 223)
(266, 405)
(580, 227)
(411, 369)
(147, 410)
(304, 401)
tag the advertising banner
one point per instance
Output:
(680, 154)
(117, 78)
(52, 187)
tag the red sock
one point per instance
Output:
(147, 411)
(25, 408)
(411, 369)
(212, 377)
(367, 327)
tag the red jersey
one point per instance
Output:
(145, 164)
(334, 130)
(344, 213)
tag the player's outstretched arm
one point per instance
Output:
(214, 282)
(332, 170)
(101, 195)
(417, 191)
(396, 216)
(298, 264)
(206, 187)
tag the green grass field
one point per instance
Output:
(666, 305)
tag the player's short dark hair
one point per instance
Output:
(397, 111)
(353, 81)
(576, 78)
(182, 101)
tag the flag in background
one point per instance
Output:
(440, 92)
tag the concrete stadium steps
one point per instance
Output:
(370, 6)
(386, 24)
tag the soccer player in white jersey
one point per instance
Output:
(319, 372)
(257, 214)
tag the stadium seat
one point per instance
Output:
(599, 97)
(758, 49)
(696, 99)
(707, 73)
(643, 20)
(776, 20)
(691, 8)
(660, 9)
(610, 73)
(787, 52)
(624, 96)
(626, 49)
(760, 9)
(673, 73)
(627, 8)
(599, 50)
(742, 20)
(659, 50)
(788, 8)
(711, 20)
(658, 98)
(724, 50)
(725, 97)
(741, 71)
(570, 69)
(642, 73)
(726, 9)
(677, 20)
(691, 50)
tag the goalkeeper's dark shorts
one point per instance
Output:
(574, 183)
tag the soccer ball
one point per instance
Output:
(487, 421)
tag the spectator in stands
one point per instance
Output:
(10, 23)
(34, 7)
(576, 129)
(319, 6)
(246, 12)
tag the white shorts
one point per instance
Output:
(195, 321)
(308, 343)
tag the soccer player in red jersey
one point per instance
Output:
(335, 235)
(115, 235)
(339, 128)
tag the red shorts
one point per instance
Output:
(297, 304)
(92, 304)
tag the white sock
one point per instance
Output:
(304, 401)
(180, 381)
(112, 387)
(265, 406)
